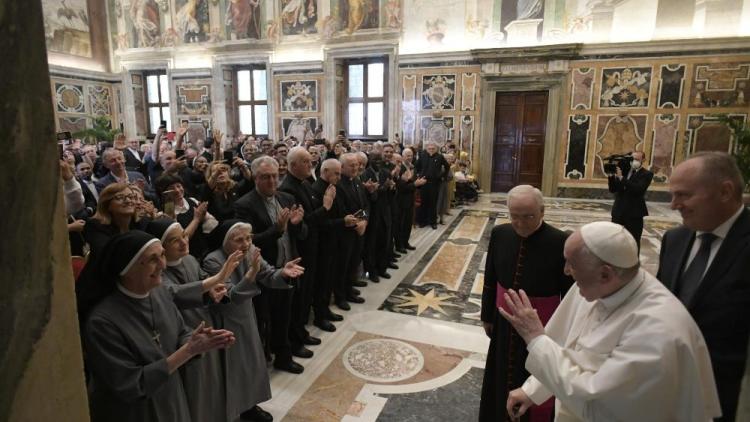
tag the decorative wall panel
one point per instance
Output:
(666, 132)
(615, 135)
(579, 127)
(468, 91)
(298, 107)
(668, 109)
(625, 87)
(193, 98)
(582, 88)
(78, 100)
(441, 104)
(671, 85)
(299, 96)
(720, 85)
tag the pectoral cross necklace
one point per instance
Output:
(154, 331)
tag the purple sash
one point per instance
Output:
(545, 306)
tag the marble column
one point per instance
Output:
(41, 373)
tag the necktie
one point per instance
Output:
(692, 276)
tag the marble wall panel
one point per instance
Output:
(298, 110)
(673, 98)
(579, 128)
(193, 97)
(439, 92)
(77, 100)
(665, 134)
(300, 95)
(442, 104)
(706, 132)
(582, 88)
(671, 86)
(615, 135)
(625, 87)
(720, 85)
(468, 91)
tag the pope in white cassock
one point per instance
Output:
(620, 347)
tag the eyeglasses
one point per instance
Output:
(524, 217)
(123, 198)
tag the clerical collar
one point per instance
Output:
(619, 297)
(175, 263)
(131, 294)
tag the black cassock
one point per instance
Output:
(536, 265)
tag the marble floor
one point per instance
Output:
(415, 351)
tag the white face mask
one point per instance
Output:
(636, 165)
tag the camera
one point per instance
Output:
(623, 161)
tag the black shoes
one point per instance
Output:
(333, 317)
(324, 325)
(359, 283)
(374, 278)
(402, 251)
(256, 414)
(434, 227)
(385, 275)
(410, 247)
(355, 299)
(343, 305)
(311, 341)
(302, 352)
(393, 266)
(354, 292)
(289, 366)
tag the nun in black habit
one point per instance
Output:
(136, 338)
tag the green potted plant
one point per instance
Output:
(102, 131)
(741, 151)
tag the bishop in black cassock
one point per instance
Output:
(535, 264)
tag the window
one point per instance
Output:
(157, 96)
(366, 99)
(252, 101)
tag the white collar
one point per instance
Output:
(129, 293)
(619, 297)
(174, 263)
(723, 229)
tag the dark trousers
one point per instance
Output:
(634, 225)
(427, 212)
(273, 312)
(325, 275)
(303, 298)
(404, 223)
(340, 268)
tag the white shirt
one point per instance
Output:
(636, 355)
(209, 223)
(136, 154)
(720, 233)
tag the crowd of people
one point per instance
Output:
(192, 247)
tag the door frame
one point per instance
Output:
(553, 84)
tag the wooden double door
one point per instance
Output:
(518, 144)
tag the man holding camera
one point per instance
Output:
(629, 186)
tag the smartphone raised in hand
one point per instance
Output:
(229, 156)
(168, 202)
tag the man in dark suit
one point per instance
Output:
(434, 168)
(133, 156)
(352, 193)
(630, 191)
(115, 162)
(706, 263)
(277, 225)
(295, 183)
(331, 232)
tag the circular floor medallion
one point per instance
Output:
(382, 360)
